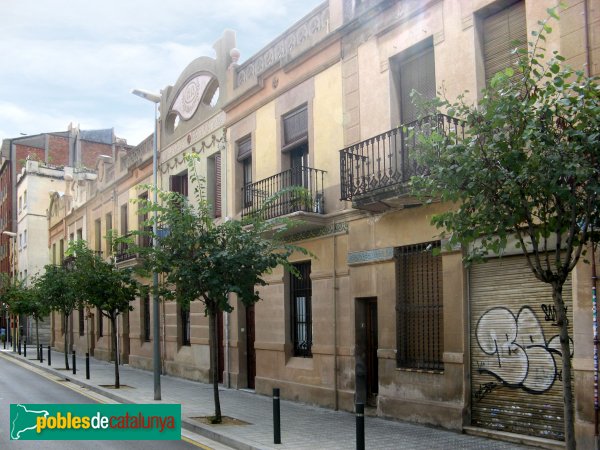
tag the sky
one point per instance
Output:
(74, 61)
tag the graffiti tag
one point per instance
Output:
(550, 313)
(520, 356)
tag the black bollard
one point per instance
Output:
(19, 346)
(87, 366)
(74, 366)
(49, 357)
(25, 349)
(41, 350)
(276, 417)
(360, 426)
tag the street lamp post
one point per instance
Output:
(13, 266)
(154, 98)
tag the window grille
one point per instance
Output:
(300, 297)
(419, 307)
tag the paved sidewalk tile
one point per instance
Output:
(302, 426)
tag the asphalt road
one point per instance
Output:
(20, 385)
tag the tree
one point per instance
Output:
(58, 289)
(206, 260)
(527, 171)
(105, 287)
(30, 303)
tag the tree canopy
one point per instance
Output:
(526, 174)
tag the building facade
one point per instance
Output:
(379, 315)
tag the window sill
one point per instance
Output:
(431, 371)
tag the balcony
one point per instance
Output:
(123, 253)
(374, 172)
(255, 195)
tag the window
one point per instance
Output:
(71, 237)
(20, 203)
(500, 32)
(25, 199)
(54, 253)
(79, 234)
(124, 228)
(185, 325)
(179, 183)
(61, 251)
(414, 70)
(213, 191)
(98, 235)
(245, 158)
(100, 323)
(300, 298)
(146, 317)
(20, 241)
(81, 321)
(247, 181)
(144, 240)
(24, 238)
(419, 307)
(109, 226)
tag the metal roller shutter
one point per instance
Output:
(516, 364)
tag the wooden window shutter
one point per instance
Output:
(217, 185)
(418, 73)
(500, 31)
(295, 128)
(244, 149)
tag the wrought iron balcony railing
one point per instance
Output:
(259, 196)
(124, 253)
(389, 159)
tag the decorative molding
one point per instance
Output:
(338, 227)
(370, 256)
(203, 146)
(212, 125)
(136, 155)
(312, 29)
(189, 97)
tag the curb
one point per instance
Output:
(186, 423)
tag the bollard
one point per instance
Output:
(360, 426)
(49, 357)
(87, 366)
(276, 417)
(41, 353)
(19, 346)
(74, 366)
(25, 349)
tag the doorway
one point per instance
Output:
(367, 369)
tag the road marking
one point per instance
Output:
(197, 444)
(54, 379)
(80, 390)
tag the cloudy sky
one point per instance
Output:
(76, 61)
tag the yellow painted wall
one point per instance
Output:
(328, 122)
(266, 163)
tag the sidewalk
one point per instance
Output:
(302, 426)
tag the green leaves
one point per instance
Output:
(528, 172)
(206, 259)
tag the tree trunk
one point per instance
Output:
(212, 329)
(66, 341)
(565, 347)
(114, 331)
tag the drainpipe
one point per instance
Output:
(595, 328)
(335, 292)
(588, 50)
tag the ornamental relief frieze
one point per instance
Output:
(306, 33)
(209, 127)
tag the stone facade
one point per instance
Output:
(331, 85)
